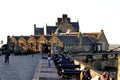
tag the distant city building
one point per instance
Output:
(64, 36)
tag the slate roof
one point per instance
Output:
(87, 40)
(69, 40)
(50, 29)
(93, 34)
(16, 37)
(48, 37)
(39, 31)
(75, 25)
(37, 37)
(26, 37)
(60, 31)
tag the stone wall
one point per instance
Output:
(93, 72)
(118, 76)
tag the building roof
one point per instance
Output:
(75, 25)
(68, 40)
(26, 37)
(88, 40)
(16, 37)
(48, 37)
(93, 34)
(39, 31)
(37, 37)
(50, 29)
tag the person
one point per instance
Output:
(7, 57)
(104, 76)
(86, 74)
(49, 59)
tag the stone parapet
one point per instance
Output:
(118, 76)
(93, 72)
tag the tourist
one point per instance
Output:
(86, 74)
(104, 76)
(49, 59)
(7, 57)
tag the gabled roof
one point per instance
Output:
(93, 34)
(37, 37)
(69, 40)
(66, 39)
(16, 37)
(48, 37)
(26, 37)
(88, 40)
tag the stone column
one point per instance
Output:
(118, 76)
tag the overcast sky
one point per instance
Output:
(17, 17)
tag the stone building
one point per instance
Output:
(64, 36)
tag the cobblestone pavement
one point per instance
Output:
(19, 67)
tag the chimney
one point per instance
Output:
(64, 16)
(34, 29)
(59, 20)
(34, 25)
(102, 30)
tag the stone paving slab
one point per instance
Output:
(46, 72)
(19, 67)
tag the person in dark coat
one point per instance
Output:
(7, 57)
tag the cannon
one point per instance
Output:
(68, 66)
(69, 74)
(65, 62)
(66, 58)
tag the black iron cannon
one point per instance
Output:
(65, 61)
(69, 74)
(68, 66)
(66, 58)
